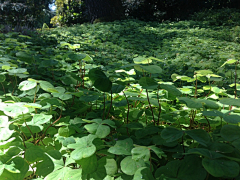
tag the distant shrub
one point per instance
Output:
(218, 17)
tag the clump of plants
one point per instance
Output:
(97, 104)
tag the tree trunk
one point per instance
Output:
(106, 10)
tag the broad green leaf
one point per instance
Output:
(89, 98)
(122, 147)
(201, 136)
(77, 57)
(148, 83)
(221, 147)
(39, 119)
(27, 85)
(89, 164)
(129, 166)
(23, 56)
(229, 61)
(5, 132)
(2, 77)
(17, 71)
(17, 169)
(230, 132)
(83, 148)
(171, 89)
(95, 74)
(143, 173)
(66, 131)
(208, 103)
(44, 167)
(65, 173)
(98, 129)
(233, 119)
(47, 86)
(189, 168)
(212, 113)
(109, 164)
(230, 101)
(117, 88)
(157, 151)
(171, 134)
(191, 103)
(221, 167)
(142, 60)
(34, 154)
(152, 69)
(103, 84)
(204, 72)
(141, 152)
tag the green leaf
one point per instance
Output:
(122, 147)
(89, 164)
(103, 84)
(27, 85)
(47, 86)
(221, 167)
(152, 69)
(203, 72)
(230, 101)
(2, 77)
(65, 173)
(142, 60)
(83, 148)
(45, 167)
(157, 151)
(148, 83)
(98, 129)
(191, 103)
(171, 134)
(109, 164)
(233, 119)
(188, 169)
(143, 173)
(34, 154)
(23, 56)
(95, 74)
(230, 132)
(5, 132)
(171, 89)
(201, 136)
(129, 166)
(17, 71)
(16, 164)
(229, 61)
(39, 119)
(77, 57)
(208, 103)
(66, 131)
(140, 153)
(117, 88)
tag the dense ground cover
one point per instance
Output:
(122, 100)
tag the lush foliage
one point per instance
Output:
(25, 13)
(123, 100)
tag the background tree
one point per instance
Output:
(31, 13)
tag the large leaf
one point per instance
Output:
(230, 132)
(221, 167)
(201, 136)
(65, 173)
(89, 164)
(122, 147)
(143, 173)
(5, 132)
(129, 166)
(230, 101)
(141, 152)
(171, 89)
(83, 147)
(171, 134)
(148, 83)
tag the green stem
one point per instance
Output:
(150, 106)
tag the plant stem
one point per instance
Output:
(150, 106)
(104, 106)
(209, 126)
(128, 106)
(160, 109)
(4, 90)
(195, 94)
(110, 106)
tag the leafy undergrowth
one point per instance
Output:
(124, 100)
